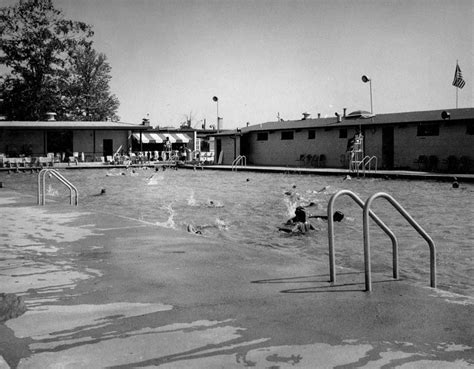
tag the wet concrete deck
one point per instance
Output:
(112, 292)
(392, 174)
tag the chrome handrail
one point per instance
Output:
(330, 212)
(241, 159)
(74, 200)
(413, 223)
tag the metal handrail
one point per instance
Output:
(241, 159)
(367, 163)
(413, 223)
(330, 211)
(74, 200)
(357, 165)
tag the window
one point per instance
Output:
(262, 136)
(287, 135)
(428, 130)
(343, 133)
(311, 134)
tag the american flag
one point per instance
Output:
(458, 81)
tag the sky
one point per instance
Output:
(268, 58)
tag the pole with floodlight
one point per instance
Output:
(217, 106)
(366, 79)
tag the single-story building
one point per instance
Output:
(422, 140)
(92, 141)
(96, 141)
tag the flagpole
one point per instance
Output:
(457, 88)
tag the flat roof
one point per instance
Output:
(377, 119)
(71, 125)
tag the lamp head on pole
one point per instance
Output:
(215, 99)
(365, 79)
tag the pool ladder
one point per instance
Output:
(355, 166)
(74, 194)
(239, 160)
(366, 234)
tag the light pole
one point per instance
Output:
(217, 105)
(366, 79)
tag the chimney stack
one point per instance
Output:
(344, 112)
(50, 117)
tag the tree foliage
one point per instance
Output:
(46, 58)
(88, 94)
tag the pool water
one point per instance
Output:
(248, 207)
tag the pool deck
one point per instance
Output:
(387, 174)
(104, 291)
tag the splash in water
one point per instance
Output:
(291, 205)
(169, 222)
(153, 180)
(221, 225)
(51, 191)
(191, 200)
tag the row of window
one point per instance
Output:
(422, 130)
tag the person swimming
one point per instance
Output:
(214, 204)
(298, 223)
(338, 216)
(193, 229)
(301, 225)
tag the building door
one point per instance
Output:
(59, 142)
(219, 150)
(245, 145)
(108, 147)
(387, 147)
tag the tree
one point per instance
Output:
(38, 47)
(88, 95)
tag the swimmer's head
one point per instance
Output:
(338, 216)
(300, 214)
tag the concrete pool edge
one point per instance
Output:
(231, 306)
(383, 174)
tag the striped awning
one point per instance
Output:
(161, 137)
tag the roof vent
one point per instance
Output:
(306, 116)
(50, 117)
(359, 114)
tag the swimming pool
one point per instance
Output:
(247, 207)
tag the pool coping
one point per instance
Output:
(384, 174)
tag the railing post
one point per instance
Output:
(62, 179)
(412, 222)
(332, 271)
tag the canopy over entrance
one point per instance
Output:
(161, 137)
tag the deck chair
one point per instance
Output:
(422, 162)
(302, 159)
